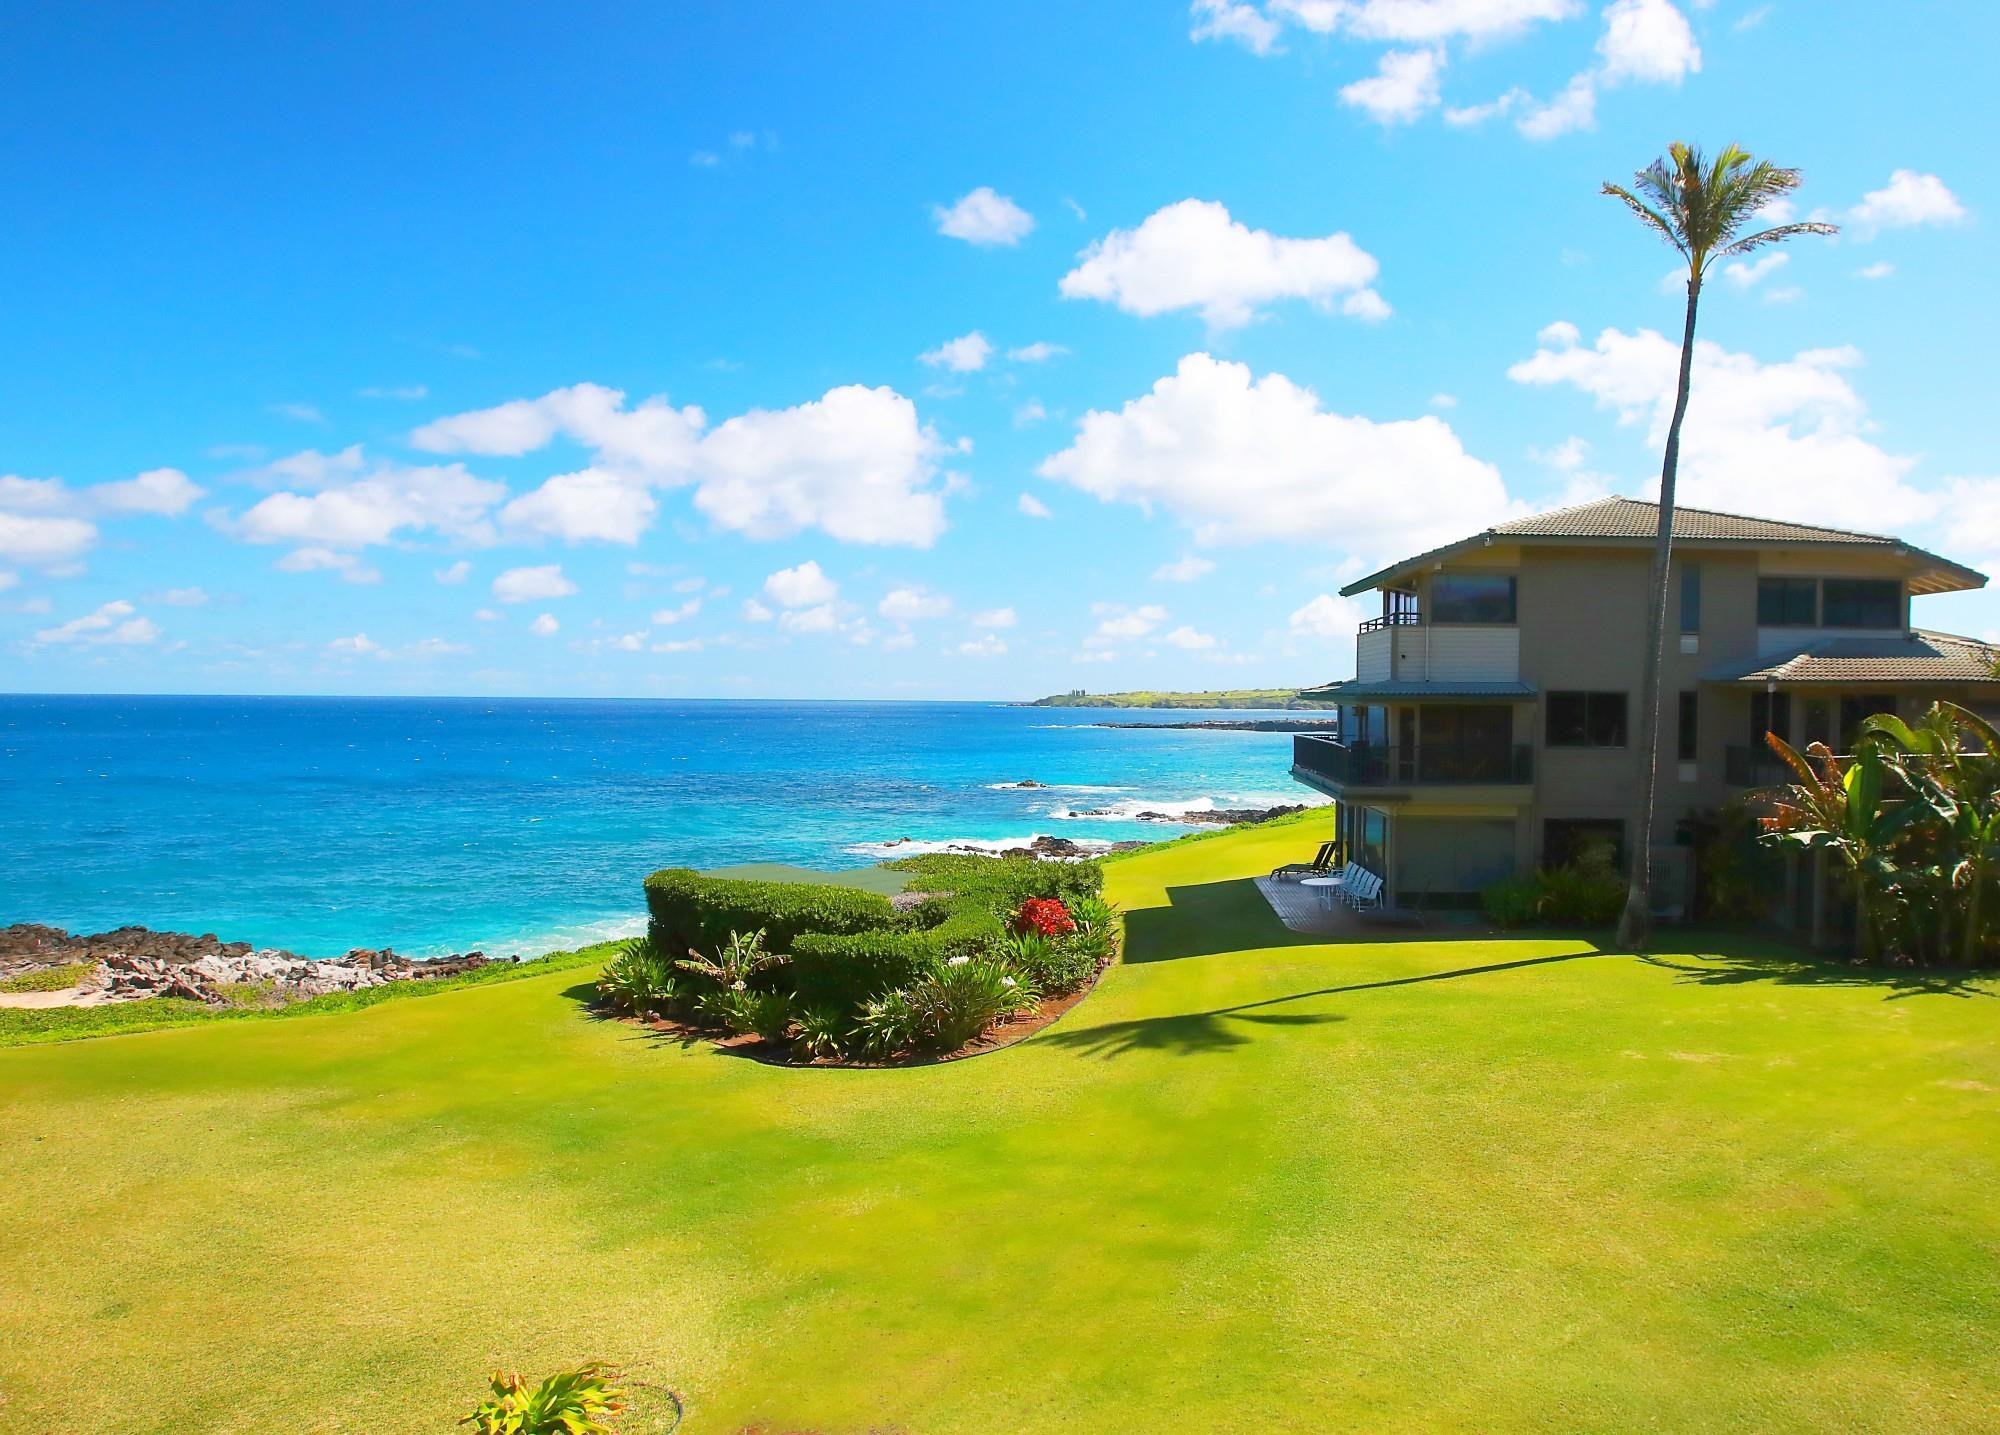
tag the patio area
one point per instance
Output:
(1318, 911)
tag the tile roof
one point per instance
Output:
(1354, 690)
(1628, 520)
(1918, 657)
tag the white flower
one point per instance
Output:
(736, 987)
(1006, 981)
(958, 961)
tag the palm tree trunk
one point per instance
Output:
(1633, 922)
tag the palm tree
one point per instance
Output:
(1698, 206)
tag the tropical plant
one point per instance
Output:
(888, 1024)
(1699, 206)
(1045, 915)
(823, 1033)
(570, 1402)
(964, 997)
(744, 1013)
(640, 981)
(735, 962)
(1054, 965)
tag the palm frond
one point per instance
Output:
(1778, 234)
(1647, 215)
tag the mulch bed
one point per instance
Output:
(772, 1053)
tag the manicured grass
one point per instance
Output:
(1253, 1183)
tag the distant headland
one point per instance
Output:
(1265, 699)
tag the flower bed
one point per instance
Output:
(830, 976)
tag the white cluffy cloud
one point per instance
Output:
(114, 624)
(545, 626)
(1032, 506)
(1234, 20)
(1242, 460)
(1118, 623)
(1327, 616)
(455, 574)
(528, 585)
(1907, 200)
(995, 618)
(907, 605)
(314, 558)
(1039, 352)
(1747, 274)
(1419, 22)
(855, 463)
(985, 218)
(45, 521)
(1646, 42)
(966, 354)
(1192, 640)
(1786, 439)
(1184, 570)
(351, 501)
(802, 587)
(1192, 255)
(1403, 87)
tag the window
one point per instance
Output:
(1855, 708)
(1787, 602)
(1586, 720)
(1863, 603)
(1591, 841)
(1769, 712)
(1690, 597)
(1472, 598)
(1690, 711)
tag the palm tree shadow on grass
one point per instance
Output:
(1733, 964)
(1197, 1033)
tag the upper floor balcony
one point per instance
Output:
(1402, 647)
(1333, 765)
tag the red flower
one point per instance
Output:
(1045, 915)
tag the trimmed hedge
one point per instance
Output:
(848, 946)
(689, 910)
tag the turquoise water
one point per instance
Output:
(439, 825)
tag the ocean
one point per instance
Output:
(436, 825)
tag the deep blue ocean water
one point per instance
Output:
(445, 824)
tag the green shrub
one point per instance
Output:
(1055, 966)
(963, 998)
(568, 1403)
(823, 1033)
(689, 910)
(888, 1024)
(1001, 884)
(1513, 901)
(843, 971)
(1572, 896)
(640, 981)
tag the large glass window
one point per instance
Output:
(1690, 597)
(1862, 603)
(1472, 598)
(1686, 746)
(1586, 720)
(1787, 602)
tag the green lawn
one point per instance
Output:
(1251, 1184)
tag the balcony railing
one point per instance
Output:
(1391, 620)
(1425, 764)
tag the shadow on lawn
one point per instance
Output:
(1730, 966)
(1232, 916)
(1193, 1033)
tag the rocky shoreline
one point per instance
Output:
(1327, 725)
(135, 963)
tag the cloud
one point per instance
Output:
(592, 504)
(166, 492)
(1117, 623)
(820, 618)
(433, 648)
(1424, 21)
(527, 585)
(984, 218)
(667, 617)
(406, 393)
(994, 618)
(300, 413)
(1441, 402)
(800, 587)
(113, 624)
(1647, 42)
(1880, 269)
(488, 615)
(906, 605)
(756, 612)
(1192, 640)
(856, 464)
(964, 355)
(1039, 352)
(1234, 20)
(1974, 507)
(1239, 460)
(1575, 108)
(1746, 274)
(30, 538)
(359, 645)
(1032, 506)
(1326, 617)
(985, 646)
(1184, 569)
(1192, 255)
(1403, 87)
(1909, 199)
(679, 645)
(1561, 332)
(1785, 439)
(1031, 412)
(456, 573)
(545, 626)
(358, 503)
(316, 559)
(182, 597)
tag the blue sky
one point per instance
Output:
(926, 351)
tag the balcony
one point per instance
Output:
(1325, 761)
(1401, 647)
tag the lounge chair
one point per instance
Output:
(1321, 864)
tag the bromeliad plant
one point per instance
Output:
(570, 1402)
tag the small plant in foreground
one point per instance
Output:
(736, 961)
(569, 1402)
(822, 1034)
(1045, 915)
(964, 997)
(1055, 967)
(888, 1024)
(639, 981)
